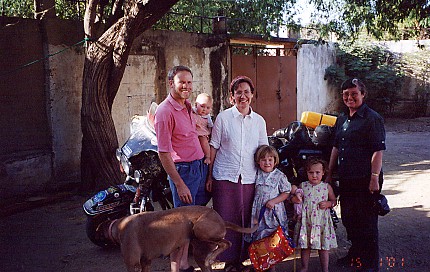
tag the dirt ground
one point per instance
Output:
(52, 237)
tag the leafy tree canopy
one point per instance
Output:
(65, 9)
(243, 16)
(382, 19)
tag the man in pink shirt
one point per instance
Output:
(180, 151)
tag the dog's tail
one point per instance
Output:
(240, 229)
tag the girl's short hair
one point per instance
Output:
(315, 160)
(264, 150)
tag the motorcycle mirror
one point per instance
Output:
(137, 174)
(118, 154)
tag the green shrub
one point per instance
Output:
(379, 68)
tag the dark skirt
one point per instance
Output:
(233, 201)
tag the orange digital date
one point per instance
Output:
(388, 262)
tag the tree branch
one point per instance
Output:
(90, 18)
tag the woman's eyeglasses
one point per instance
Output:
(352, 94)
(240, 93)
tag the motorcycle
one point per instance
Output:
(145, 183)
(295, 144)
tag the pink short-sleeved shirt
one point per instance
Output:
(202, 125)
(176, 131)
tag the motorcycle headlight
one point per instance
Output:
(126, 165)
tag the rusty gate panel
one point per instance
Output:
(288, 96)
(275, 83)
(244, 65)
(268, 89)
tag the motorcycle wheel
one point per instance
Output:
(95, 234)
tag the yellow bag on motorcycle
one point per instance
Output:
(314, 119)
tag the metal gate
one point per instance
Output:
(273, 72)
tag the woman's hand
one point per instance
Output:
(374, 184)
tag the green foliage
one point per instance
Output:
(243, 16)
(13, 8)
(72, 10)
(382, 19)
(65, 9)
(379, 68)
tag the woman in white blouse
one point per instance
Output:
(236, 135)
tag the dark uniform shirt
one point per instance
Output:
(357, 138)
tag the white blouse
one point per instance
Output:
(236, 139)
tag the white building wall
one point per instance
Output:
(313, 92)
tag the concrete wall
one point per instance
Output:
(40, 103)
(64, 107)
(153, 54)
(406, 46)
(313, 92)
(25, 143)
(410, 103)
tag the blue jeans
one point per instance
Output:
(194, 175)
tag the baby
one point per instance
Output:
(204, 124)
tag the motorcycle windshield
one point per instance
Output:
(142, 139)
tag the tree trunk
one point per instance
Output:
(104, 67)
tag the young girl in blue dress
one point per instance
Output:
(271, 190)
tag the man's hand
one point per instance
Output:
(209, 183)
(184, 194)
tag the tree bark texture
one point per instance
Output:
(105, 62)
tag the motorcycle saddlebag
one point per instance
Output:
(114, 198)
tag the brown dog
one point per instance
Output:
(149, 235)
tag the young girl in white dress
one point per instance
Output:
(316, 229)
(271, 190)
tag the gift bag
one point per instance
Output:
(270, 250)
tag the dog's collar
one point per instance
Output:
(110, 236)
